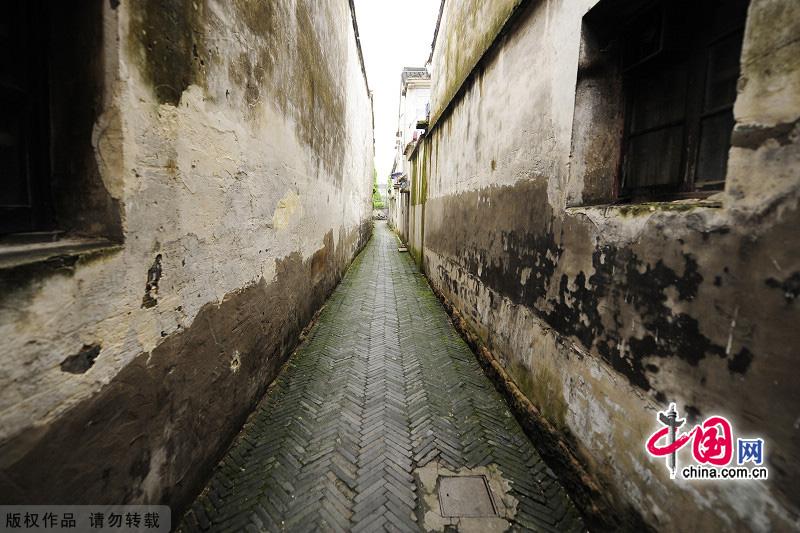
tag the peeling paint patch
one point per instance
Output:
(741, 361)
(289, 207)
(624, 305)
(151, 286)
(236, 361)
(82, 361)
(753, 137)
(164, 37)
(790, 286)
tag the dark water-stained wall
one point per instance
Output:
(604, 314)
(234, 141)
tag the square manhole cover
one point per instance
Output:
(465, 496)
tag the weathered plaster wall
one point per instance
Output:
(468, 28)
(237, 139)
(604, 314)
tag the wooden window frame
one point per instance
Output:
(697, 62)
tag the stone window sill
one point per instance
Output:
(16, 250)
(646, 208)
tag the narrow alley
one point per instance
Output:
(381, 398)
(399, 265)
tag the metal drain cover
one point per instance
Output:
(465, 496)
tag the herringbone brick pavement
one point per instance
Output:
(382, 385)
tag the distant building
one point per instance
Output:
(412, 120)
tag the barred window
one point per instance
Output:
(680, 65)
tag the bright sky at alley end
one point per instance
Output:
(394, 34)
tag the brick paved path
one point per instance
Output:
(383, 386)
